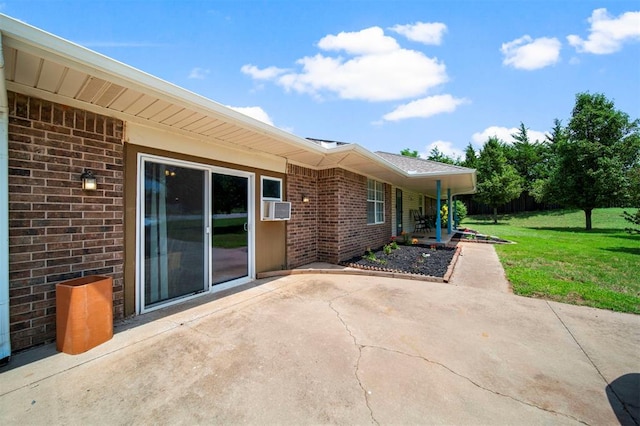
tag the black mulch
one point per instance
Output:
(414, 259)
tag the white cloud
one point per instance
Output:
(198, 73)
(422, 32)
(529, 54)
(368, 41)
(262, 74)
(608, 34)
(504, 134)
(375, 69)
(425, 107)
(444, 147)
(254, 112)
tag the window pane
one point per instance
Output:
(271, 188)
(371, 214)
(174, 224)
(370, 190)
(379, 212)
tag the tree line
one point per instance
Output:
(593, 161)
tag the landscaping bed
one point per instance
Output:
(418, 259)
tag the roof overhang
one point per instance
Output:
(43, 65)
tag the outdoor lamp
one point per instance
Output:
(305, 199)
(89, 181)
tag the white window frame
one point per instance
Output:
(263, 199)
(377, 200)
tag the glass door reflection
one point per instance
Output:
(230, 222)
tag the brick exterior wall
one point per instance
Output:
(341, 229)
(56, 230)
(302, 229)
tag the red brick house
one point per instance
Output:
(190, 194)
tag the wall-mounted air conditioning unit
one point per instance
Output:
(276, 210)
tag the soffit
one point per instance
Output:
(33, 70)
(43, 65)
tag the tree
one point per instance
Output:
(498, 182)
(470, 157)
(409, 153)
(441, 157)
(540, 189)
(600, 146)
(525, 156)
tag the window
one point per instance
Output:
(375, 202)
(271, 189)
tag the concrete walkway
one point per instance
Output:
(479, 266)
(340, 349)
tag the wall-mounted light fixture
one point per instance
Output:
(89, 181)
(305, 198)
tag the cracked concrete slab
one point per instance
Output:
(340, 349)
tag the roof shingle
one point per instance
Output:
(420, 165)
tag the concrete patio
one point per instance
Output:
(341, 349)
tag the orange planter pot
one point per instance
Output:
(84, 313)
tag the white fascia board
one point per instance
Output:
(444, 174)
(376, 158)
(57, 48)
(369, 155)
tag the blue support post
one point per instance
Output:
(438, 218)
(455, 214)
(449, 211)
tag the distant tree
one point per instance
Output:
(540, 187)
(525, 156)
(409, 153)
(600, 146)
(470, 157)
(498, 182)
(441, 157)
(633, 176)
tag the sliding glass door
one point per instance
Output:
(230, 224)
(174, 232)
(194, 230)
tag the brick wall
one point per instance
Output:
(340, 205)
(328, 215)
(56, 230)
(302, 229)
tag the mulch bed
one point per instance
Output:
(414, 259)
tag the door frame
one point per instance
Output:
(250, 229)
(208, 288)
(399, 212)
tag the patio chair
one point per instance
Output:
(420, 222)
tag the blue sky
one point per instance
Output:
(387, 75)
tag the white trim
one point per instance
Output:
(376, 201)
(5, 335)
(251, 274)
(26, 37)
(263, 199)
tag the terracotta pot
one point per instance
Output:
(84, 313)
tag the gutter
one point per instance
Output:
(67, 53)
(5, 340)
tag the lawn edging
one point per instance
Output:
(371, 271)
(452, 265)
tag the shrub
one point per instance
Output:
(460, 212)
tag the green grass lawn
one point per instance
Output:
(556, 259)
